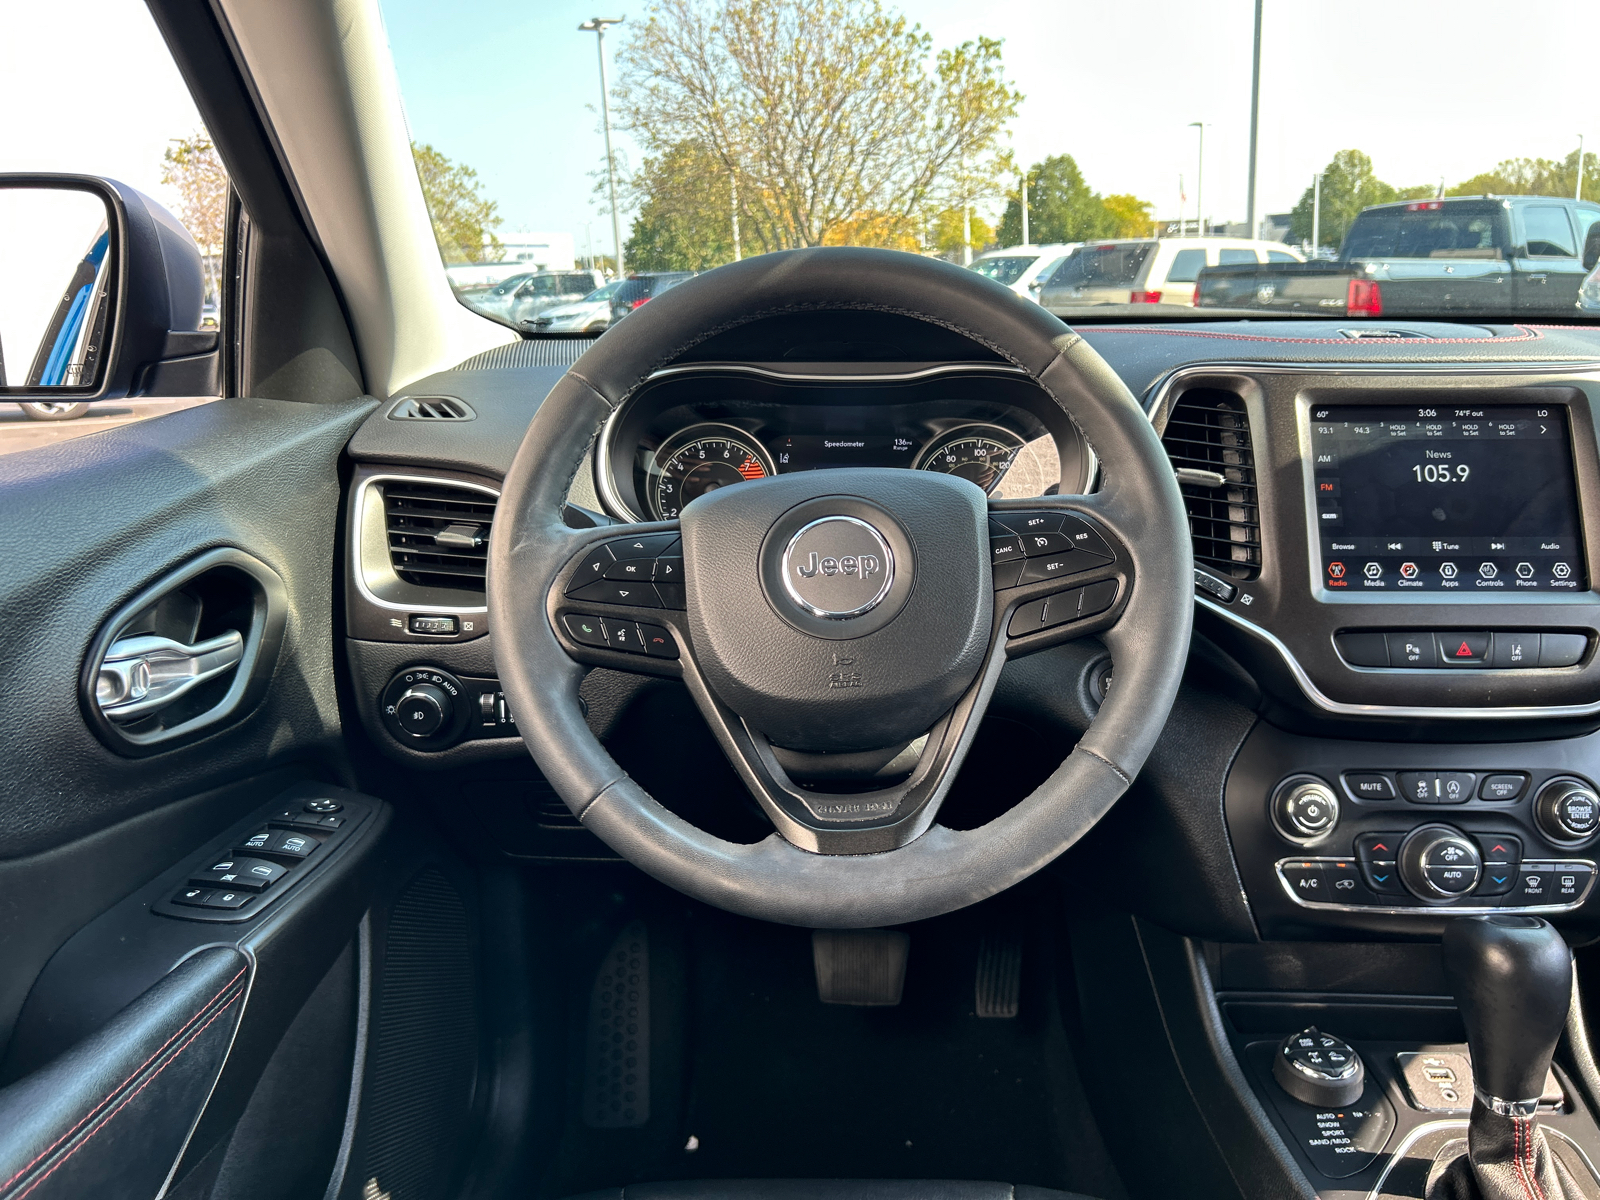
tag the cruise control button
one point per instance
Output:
(1005, 549)
(1502, 787)
(1036, 544)
(1306, 880)
(1561, 649)
(658, 642)
(648, 546)
(1086, 537)
(1032, 522)
(1097, 598)
(593, 567)
(588, 631)
(1470, 648)
(639, 569)
(608, 591)
(1413, 650)
(1053, 566)
(1515, 650)
(1369, 785)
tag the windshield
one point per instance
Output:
(1005, 269)
(677, 136)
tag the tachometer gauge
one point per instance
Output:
(701, 459)
(981, 453)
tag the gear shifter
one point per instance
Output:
(1512, 977)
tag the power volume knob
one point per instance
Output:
(1567, 811)
(1304, 808)
(423, 710)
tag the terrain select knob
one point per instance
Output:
(1318, 1068)
(1440, 863)
(1304, 808)
(1567, 811)
(423, 710)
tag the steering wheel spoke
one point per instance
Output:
(619, 601)
(1060, 573)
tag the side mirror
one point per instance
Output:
(1591, 247)
(101, 291)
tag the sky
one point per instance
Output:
(1427, 90)
(511, 88)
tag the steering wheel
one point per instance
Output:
(842, 630)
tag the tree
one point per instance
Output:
(193, 167)
(1534, 177)
(1061, 206)
(834, 117)
(949, 230)
(1348, 185)
(1132, 216)
(462, 216)
(680, 226)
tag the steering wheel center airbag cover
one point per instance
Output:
(847, 660)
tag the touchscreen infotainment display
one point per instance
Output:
(1479, 500)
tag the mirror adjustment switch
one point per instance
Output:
(322, 805)
(241, 874)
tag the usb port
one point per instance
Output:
(1440, 1074)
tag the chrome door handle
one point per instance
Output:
(143, 674)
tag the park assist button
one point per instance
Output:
(1414, 650)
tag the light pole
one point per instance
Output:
(1578, 192)
(1200, 180)
(1025, 205)
(1316, 216)
(597, 26)
(1255, 122)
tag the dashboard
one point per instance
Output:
(692, 431)
(1395, 550)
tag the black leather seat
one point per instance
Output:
(827, 1189)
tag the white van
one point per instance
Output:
(1023, 268)
(1148, 270)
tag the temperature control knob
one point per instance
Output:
(1567, 811)
(1304, 808)
(1440, 863)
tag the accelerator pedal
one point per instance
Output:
(999, 986)
(616, 1078)
(865, 967)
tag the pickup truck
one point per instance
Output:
(1499, 255)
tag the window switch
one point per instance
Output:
(240, 874)
(286, 841)
(256, 841)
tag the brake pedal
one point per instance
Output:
(616, 1079)
(865, 967)
(999, 984)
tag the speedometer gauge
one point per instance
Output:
(701, 459)
(981, 453)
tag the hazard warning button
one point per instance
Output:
(1462, 647)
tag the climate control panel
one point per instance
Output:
(1371, 835)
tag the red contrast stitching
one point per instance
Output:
(1523, 1157)
(89, 1116)
(129, 1099)
(1528, 334)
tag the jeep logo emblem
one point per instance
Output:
(837, 567)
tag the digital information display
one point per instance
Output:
(866, 448)
(1447, 499)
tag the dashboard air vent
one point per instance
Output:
(1208, 440)
(431, 408)
(438, 533)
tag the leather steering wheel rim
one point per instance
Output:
(943, 869)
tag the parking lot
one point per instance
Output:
(18, 432)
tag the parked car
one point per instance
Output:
(1148, 270)
(495, 300)
(1023, 268)
(1484, 254)
(643, 287)
(546, 289)
(589, 315)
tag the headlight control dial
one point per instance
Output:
(425, 707)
